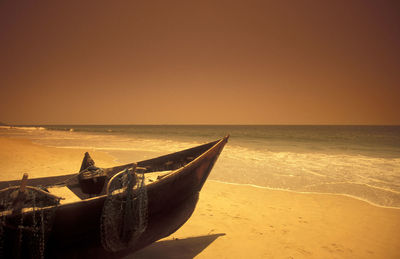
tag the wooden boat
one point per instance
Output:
(72, 212)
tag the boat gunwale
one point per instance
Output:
(168, 176)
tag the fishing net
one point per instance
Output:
(124, 216)
(24, 235)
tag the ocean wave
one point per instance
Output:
(28, 128)
(391, 206)
(105, 148)
(368, 178)
(61, 129)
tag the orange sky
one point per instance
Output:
(161, 62)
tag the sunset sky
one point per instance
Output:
(200, 62)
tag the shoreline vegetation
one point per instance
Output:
(238, 221)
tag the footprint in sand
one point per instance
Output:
(302, 221)
(304, 252)
(335, 248)
(272, 228)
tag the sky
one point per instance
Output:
(200, 62)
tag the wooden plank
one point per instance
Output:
(64, 192)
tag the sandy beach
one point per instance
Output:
(238, 221)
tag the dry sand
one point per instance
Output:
(18, 156)
(236, 221)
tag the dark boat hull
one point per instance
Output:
(171, 202)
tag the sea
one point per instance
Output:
(358, 161)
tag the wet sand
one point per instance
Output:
(236, 221)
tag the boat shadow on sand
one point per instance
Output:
(185, 248)
(178, 248)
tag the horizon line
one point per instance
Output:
(199, 124)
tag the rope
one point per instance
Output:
(32, 229)
(124, 216)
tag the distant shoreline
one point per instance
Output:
(196, 124)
